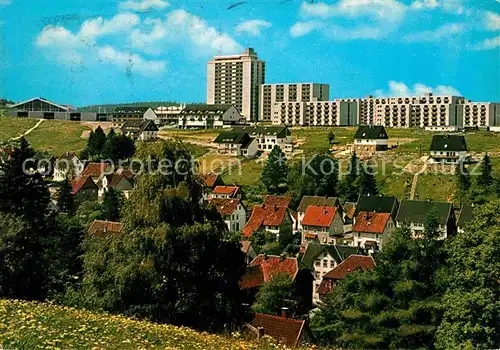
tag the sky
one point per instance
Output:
(83, 52)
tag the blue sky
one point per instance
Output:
(83, 52)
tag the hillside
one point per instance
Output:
(31, 325)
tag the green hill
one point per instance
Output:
(31, 325)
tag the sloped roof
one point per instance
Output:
(264, 216)
(209, 179)
(377, 204)
(98, 227)
(285, 330)
(338, 253)
(279, 201)
(203, 108)
(454, 143)
(321, 216)
(252, 277)
(225, 206)
(120, 181)
(95, 169)
(240, 138)
(368, 222)
(316, 200)
(416, 211)
(130, 110)
(83, 182)
(352, 263)
(230, 190)
(466, 214)
(135, 126)
(278, 131)
(371, 132)
(273, 264)
(67, 108)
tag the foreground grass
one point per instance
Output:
(30, 325)
(11, 127)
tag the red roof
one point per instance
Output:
(128, 174)
(253, 277)
(371, 222)
(98, 227)
(225, 206)
(95, 169)
(83, 182)
(230, 190)
(286, 330)
(264, 216)
(279, 201)
(319, 216)
(209, 179)
(273, 264)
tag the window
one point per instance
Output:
(325, 263)
(332, 264)
(317, 262)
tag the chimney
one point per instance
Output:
(284, 311)
(265, 256)
(282, 257)
(260, 332)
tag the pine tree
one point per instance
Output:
(463, 181)
(275, 171)
(275, 294)
(66, 201)
(485, 179)
(111, 205)
(348, 186)
(331, 137)
(95, 143)
(367, 183)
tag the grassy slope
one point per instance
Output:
(30, 325)
(12, 127)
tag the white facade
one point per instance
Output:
(63, 166)
(236, 221)
(170, 114)
(151, 115)
(322, 234)
(448, 157)
(235, 149)
(208, 119)
(481, 114)
(235, 80)
(323, 264)
(360, 238)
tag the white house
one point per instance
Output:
(235, 143)
(371, 230)
(169, 114)
(208, 116)
(140, 129)
(448, 149)
(226, 192)
(233, 212)
(307, 201)
(270, 136)
(322, 224)
(370, 139)
(69, 163)
(121, 114)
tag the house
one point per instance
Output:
(234, 143)
(67, 164)
(284, 202)
(377, 204)
(140, 129)
(274, 219)
(352, 263)
(264, 267)
(210, 181)
(169, 115)
(306, 201)
(348, 214)
(448, 149)
(322, 224)
(97, 171)
(322, 258)
(99, 228)
(233, 212)
(84, 189)
(208, 116)
(122, 114)
(465, 216)
(117, 181)
(287, 331)
(414, 214)
(270, 136)
(227, 192)
(370, 139)
(372, 229)
(247, 249)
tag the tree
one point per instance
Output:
(348, 187)
(463, 181)
(331, 137)
(118, 147)
(367, 184)
(89, 211)
(275, 294)
(95, 143)
(274, 173)
(472, 300)
(485, 178)
(66, 201)
(111, 205)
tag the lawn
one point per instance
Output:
(247, 175)
(11, 127)
(31, 325)
(215, 163)
(437, 187)
(58, 137)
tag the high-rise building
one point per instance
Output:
(302, 92)
(236, 80)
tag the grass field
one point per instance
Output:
(31, 325)
(58, 137)
(436, 187)
(11, 127)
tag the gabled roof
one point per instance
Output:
(236, 137)
(369, 222)
(278, 131)
(225, 206)
(43, 100)
(371, 132)
(455, 143)
(210, 179)
(136, 126)
(252, 277)
(337, 252)
(264, 216)
(466, 214)
(99, 227)
(83, 182)
(279, 201)
(352, 263)
(285, 330)
(316, 200)
(204, 108)
(321, 216)
(273, 264)
(349, 209)
(416, 211)
(229, 190)
(95, 169)
(377, 204)
(130, 110)
(119, 181)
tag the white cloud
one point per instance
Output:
(130, 61)
(96, 27)
(488, 44)
(303, 28)
(492, 21)
(424, 4)
(443, 32)
(397, 89)
(252, 27)
(144, 5)
(183, 27)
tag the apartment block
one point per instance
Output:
(236, 80)
(481, 114)
(271, 94)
